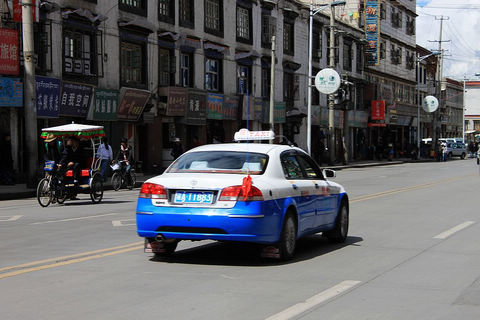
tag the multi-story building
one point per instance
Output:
(451, 119)
(472, 109)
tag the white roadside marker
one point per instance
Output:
(453, 230)
(315, 300)
(9, 218)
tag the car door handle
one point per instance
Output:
(317, 186)
(294, 186)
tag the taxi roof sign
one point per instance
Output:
(247, 135)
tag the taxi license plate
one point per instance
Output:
(193, 197)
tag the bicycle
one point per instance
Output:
(121, 178)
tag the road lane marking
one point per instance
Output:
(123, 223)
(9, 218)
(454, 230)
(323, 296)
(75, 219)
(404, 189)
(71, 257)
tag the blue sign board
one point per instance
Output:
(11, 92)
(48, 94)
(75, 99)
(372, 31)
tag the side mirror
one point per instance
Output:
(329, 173)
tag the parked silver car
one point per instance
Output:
(456, 150)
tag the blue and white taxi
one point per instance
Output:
(251, 192)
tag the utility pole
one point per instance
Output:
(438, 89)
(29, 94)
(272, 87)
(331, 112)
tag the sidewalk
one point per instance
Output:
(20, 191)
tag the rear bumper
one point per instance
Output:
(250, 222)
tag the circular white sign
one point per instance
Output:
(430, 104)
(327, 81)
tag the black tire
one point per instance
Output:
(44, 193)
(133, 180)
(288, 238)
(463, 156)
(339, 233)
(96, 188)
(116, 181)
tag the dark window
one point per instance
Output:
(268, 30)
(315, 92)
(214, 17)
(243, 79)
(347, 55)
(132, 64)
(359, 58)
(213, 74)
(290, 87)
(317, 37)
(186, 13)
(43, 46)
(166, 11)
(186, 69)
(266, 72)
(244, 24)
(383, 48)
(135, 6)
(80, 52)
(311, 170)
(383, 11)
(288, 38)
(166, 72)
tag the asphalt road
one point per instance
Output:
(413, 252)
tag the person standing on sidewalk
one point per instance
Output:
(105, 154)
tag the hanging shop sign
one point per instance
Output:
(176, 101)
(106, 105)
(196, 113)
(215, 106)
(132, 103)
(75, 99)
(372, 31)
(9, 52)
(47, 97)
(279, 112)
(253, 107)
(11, 92)
(378, 110)
(230, 107)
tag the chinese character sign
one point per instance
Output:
(378, 109)
(11, 92)
(132, 103)
(8, 51)
(372, 32)
(106, 105)
(75, 99)
(195, 113)
(177, 100)
(48, 97)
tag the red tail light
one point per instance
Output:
(235, 193)
(153, 191)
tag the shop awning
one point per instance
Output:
(142, 24)
(246, 54)
(84, 13)
(223, 49)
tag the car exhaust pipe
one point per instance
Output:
(159, 237)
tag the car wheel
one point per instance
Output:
(288, 238)
(339, 233)
(463, 155)
(44, 193)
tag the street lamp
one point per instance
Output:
(310, 44)
(419, 59)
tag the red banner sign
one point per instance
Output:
(17, 11)
(8, 51)
(378, 109)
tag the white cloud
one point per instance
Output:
(462, 29)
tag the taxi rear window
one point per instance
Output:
(221, 162)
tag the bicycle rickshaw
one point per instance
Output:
(58, 184)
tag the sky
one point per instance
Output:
(462, 29)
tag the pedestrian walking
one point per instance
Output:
(105, 154)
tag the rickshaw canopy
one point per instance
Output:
(82, 131)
